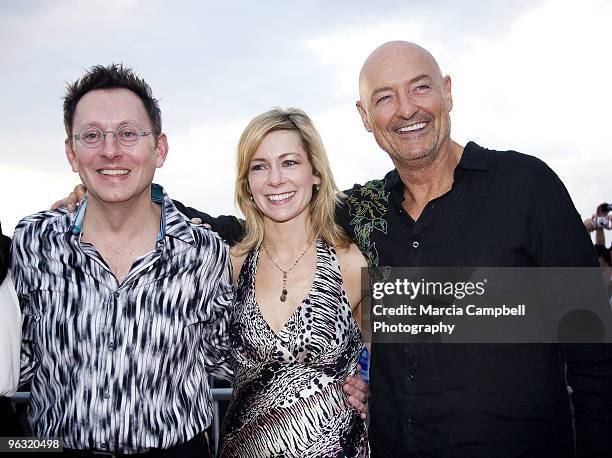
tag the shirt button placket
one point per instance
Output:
(111, 347)
(409, 426)
(111, 343)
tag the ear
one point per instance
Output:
(448, 96)
(74, 164)
(161, 150)
(364, 115)
(317, 180)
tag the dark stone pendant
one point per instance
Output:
(283, 296)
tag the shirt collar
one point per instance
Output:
(474, 157)
(172, 224)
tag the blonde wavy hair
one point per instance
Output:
(324, 198)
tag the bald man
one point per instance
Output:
(446, 204)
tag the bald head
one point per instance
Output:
(388, 56)
(405, 102)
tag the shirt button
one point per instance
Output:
(111, 345)
(106, 395)
(415, 244)
(116, 294)
(409, 421)
(410, 377)
(103, 445)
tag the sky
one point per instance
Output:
(526, 75)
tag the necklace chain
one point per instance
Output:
(283, 296)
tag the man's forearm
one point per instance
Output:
(229, 228)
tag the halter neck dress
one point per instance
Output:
(288, 399)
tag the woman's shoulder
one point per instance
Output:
(352, 264)
(350, 257)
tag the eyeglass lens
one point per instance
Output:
(126, 135)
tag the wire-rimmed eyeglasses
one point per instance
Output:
(92, 137)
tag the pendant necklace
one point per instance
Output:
(283, 296)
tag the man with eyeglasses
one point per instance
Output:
(125, 302)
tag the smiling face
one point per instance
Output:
(112, 172)
(281, 177)
(405, 103)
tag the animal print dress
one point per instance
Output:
(288, 399)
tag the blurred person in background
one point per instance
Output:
(605, 262)
(599, 222)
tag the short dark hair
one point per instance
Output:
(603, 253)
(110, 77)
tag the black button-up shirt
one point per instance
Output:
(481, 400)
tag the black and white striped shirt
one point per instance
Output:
(121, 367)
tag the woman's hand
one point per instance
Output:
(357, 391)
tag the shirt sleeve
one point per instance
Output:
(342, 216)
(216, 342)
(229, 228)
(555, 222)
(562, 241)
(29, 356)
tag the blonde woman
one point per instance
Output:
(294, 332)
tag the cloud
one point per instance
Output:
(526, 75)
(27, 191)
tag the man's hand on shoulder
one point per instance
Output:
(72, 201)
(199, 221)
